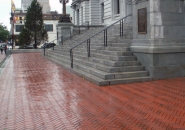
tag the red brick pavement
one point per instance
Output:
(36, 94)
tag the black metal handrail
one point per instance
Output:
(70, 35)
(70, 32)
(105, 38)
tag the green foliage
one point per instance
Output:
(34, 25)
(3, 33)
(25, 37)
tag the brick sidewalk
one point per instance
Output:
(36, 94)
(2, 56)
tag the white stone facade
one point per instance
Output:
(49, 20)
(99, 12)
(52, 35)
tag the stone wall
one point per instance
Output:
(94, 12)
(162, 48)
(165, 26)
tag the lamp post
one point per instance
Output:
(12, 23)
(65, 17)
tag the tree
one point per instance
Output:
(34, 23)
(4, 33)
(25, 37)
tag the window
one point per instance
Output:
(82, 16)
(18, 28)
(49, 27)
(116, 6)
(102, 12)
(77, 17)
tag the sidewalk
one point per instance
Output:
(2, 56)
(36, 94)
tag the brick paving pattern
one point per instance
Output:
(36, 94)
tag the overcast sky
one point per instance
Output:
(5, 9)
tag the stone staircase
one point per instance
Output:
(114, 64)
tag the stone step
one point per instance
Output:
(99, 60)
(115, 63)
(83, 51)
(101, 82)
(101, 66)
(109, 65)
(109, 69)
(83, 55)
(115, 58)
(106, 76)
(99, 49)
(111, 46)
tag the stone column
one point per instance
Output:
(64, 25)
(63, 30)
(162, 48)
(128, 10)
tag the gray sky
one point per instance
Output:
(5, 9)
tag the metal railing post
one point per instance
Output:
(44, 51)
(121, 28)
(88, 25)
(62, 40)
(79, 29)
(70, 35)
(71, 57)
(88, 47)
(105, 38)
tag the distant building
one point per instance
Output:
(45, 4)
(50, 21)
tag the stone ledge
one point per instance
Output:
(163, 49)
(27, 51)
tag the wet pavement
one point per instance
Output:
(2, 56)
(36, 94)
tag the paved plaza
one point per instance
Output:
(2, 56)
(36, 94)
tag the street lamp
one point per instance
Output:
(64, 2)
(12, 23)
(65, 17)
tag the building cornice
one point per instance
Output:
(77, 2)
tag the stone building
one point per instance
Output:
(158, 30)
(99, 12)
(50, 21)
(45, 4)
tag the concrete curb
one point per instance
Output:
(27, 51)
(3, 63)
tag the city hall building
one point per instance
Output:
(100, 12)
(158, 30)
